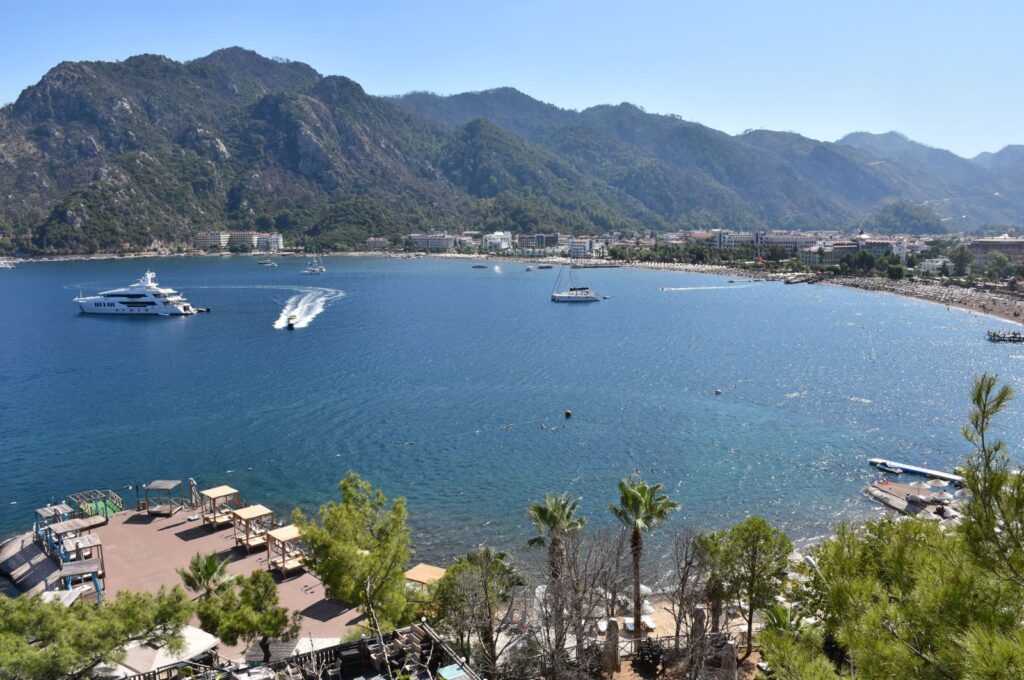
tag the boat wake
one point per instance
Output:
(306, 306)
(307, 303)
(672, 290)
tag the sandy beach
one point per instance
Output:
(1001, 305)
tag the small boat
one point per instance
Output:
(1004, 336)
(291, 321)
(479, 266)
(529, 269)
(545, 266)
(315, 266)
(891, 469)
(267, 263)
(6, 264)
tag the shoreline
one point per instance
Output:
(970, 300)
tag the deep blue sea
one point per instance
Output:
(447, 385)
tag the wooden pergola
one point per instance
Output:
(251, 524)
(216, 505)
(164, 502)
(84, 547)
(283, 551)
(51, 514)
(55, 534)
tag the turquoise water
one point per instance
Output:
(447, 385)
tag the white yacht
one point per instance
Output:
(6, 264)
(144, 296)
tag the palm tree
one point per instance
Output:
(554, 519)
(206, 575)
(641, 508)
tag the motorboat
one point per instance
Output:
(144, 297)
(891, 469)
(291, 321)
(545, 266)
(529, 269)
(479, 266)
(267, 263)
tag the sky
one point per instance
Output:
(948, 74)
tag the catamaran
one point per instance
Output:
(144, 297)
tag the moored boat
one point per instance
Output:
(1004, 336)
(144, 297)
(891, 469)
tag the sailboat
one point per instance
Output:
(572, 293)
(315, 266)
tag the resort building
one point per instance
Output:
(223, 240)
(581, 248)
(498, 241)
(376, 243)
(269, 243)
(432, 243)
(536, 241)
(730, 239)
(936, 265)
(1011, 246)
(790, 241)
(211, 240)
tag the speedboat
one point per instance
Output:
(575, 294)
(267, 263)
(291, 321)
(529, 269)
(891, 469)
(545, 266)
(479, 266)
(144, 297)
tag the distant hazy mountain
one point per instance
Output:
(105, 156)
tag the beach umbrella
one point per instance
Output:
(964, 494)
(943, 496)
(937, 483)
(920, 485)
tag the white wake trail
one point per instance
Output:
(305, 306)
(669, 290)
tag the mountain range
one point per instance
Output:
(104, 156)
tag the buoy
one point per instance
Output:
(718, 391)
(568, 414)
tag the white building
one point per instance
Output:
(269, 243)
(580, 248)
(376, 243)
(433, 242)
(729, 239)
(499, 240)
(791, 241)
(935, 265)
(209, 240)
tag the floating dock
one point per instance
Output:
(917, 470)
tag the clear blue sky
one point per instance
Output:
(950, 74)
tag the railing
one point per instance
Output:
(97, 502)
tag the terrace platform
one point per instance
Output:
(142, 552)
